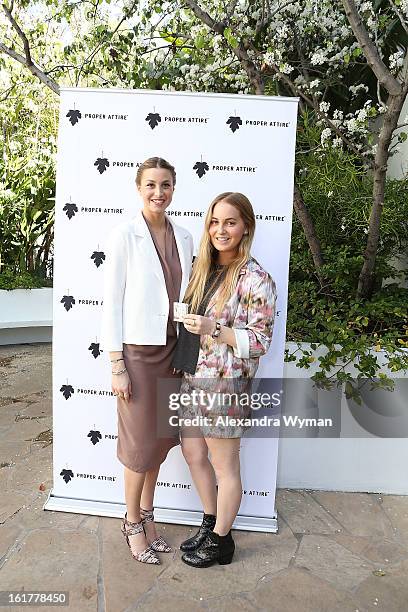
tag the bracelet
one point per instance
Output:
(216, 331)
(115, 360)
(120, 372)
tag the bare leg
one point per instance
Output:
(195, 451)
(146, 501)
(134, 482)
(225, 461)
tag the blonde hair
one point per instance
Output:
(207, 254)
(155, 162)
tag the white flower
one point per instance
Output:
(362, 114)
(285, 68)
(329, 195)
(352, 125)
(324, 107)
(396, 60)
(326, 133)
(355, 89)
(318, 57)
(366, 6)
(314, 84)
(337, 142)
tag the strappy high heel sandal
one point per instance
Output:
(145, 556)
(159, 544)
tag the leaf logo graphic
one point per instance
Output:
(234, 123)
(98, 258)
(102, 164)
(74, 116)
(94, 348)
(201, 168)
(67, 475)
(70, 209)
(95, 436)
(68, 301)
(67, 391)
(153, 119)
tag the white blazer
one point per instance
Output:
(135, 304)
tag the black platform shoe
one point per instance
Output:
(193, 543)
(214, 549)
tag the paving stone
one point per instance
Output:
(389, 592)
(157, 600)
(8, 536)
(38, 409)
(359, 513)
(33, 517)
(12, 450)
(231, 603)
(125, 580)
(8, 413)
(256, 554)
(28, 372)
(332, 562)
(27, 429)
(26, 472)
(90, 523)
(266, 552)
(297, 589)
(54, 560)
(10, 504)
(385, 552)
(303, 514)
(396, 508)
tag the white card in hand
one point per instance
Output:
(180, 311)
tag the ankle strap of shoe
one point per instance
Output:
(133, 528)
(147, 516)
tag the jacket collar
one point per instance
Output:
(140, 228)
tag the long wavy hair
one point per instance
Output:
(207, 254)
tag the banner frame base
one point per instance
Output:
(162, 515)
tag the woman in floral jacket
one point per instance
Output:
(229, 327)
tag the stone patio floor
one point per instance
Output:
(334, 551)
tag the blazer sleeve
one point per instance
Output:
(114, 290)
(254, 340)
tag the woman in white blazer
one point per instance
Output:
(147, 268)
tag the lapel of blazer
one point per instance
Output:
(147, 247)
(182, 242)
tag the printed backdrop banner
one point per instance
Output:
(217, 143)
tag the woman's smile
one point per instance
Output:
(156, 190)
(226, 230)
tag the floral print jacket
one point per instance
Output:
(250, 311)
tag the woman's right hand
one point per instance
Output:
(121, 386)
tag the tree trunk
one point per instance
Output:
(366, 278)
(307, 224)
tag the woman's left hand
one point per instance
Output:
(196, 324)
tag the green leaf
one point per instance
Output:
(231, 39)
(199, 41)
